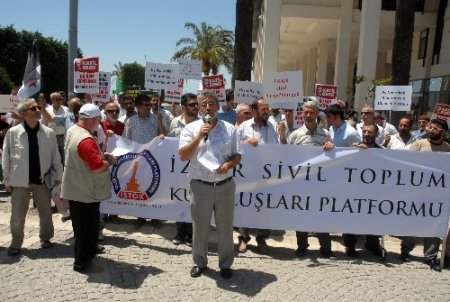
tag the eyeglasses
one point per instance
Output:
(192, 105)
(34, 109)
(116, 111)
(366, 112)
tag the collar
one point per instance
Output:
(28, 129)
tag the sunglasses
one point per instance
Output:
(34, 108)
(116, 111)
(247, 113)
(192, 105)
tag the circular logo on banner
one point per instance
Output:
(130, 176)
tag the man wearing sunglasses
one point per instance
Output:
(189, 108)
(31, 162)
(112, 122)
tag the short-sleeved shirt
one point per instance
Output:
(222, 143)
(177, 125)
(89, 152)
(396, 143)
(302, 136)
(266, 134)
(424, 145)
(344, 136)
(59, 119)
(142, 130)
(228, 116)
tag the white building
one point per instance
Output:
(332, 41)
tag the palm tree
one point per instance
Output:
(212, 45)
(119, 70)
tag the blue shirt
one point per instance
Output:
(344, 136)
(229, 116)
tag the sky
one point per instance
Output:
(119, 30)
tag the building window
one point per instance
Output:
(423, 44)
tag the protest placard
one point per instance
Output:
(394, 98)
(8, 103)
(442, 111)
(280, 87)
(190, 69)
(326, 95)
(247, 92)
(215, 84)
(104, 86)
(161, 76)
(86, 75)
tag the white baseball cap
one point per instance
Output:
(89, 111)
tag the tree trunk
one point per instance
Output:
(242, 63)
(401, 53)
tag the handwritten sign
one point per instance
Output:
(174, 95)
(8, 103)
(326, 95)
(190, 69)
(161, 76)
(395, 98)
(442, 111)
(247, 92)
(282, 87)
(215, 84)
(86, 73)
(104, 84)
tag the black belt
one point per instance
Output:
(215, 183)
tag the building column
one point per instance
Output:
(367, 50)
(343, 48)
(322, 62)
(312, 69)
(266, 57)
(304, 72)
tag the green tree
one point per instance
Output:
(5, 82)
(242, 67)
(212, 45)
(119, 70)
(53, 56)
(133, 74)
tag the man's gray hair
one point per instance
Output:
(241, 107)
(311, 104)
(23, 106)
(209, 95)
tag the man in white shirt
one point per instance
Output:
(388, 129)
(368, 118)
(256, 131)
(56, 120)
(403, 139)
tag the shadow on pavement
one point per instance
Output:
(121, 274)
(244, 281)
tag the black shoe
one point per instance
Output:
(197, 271)
(100, 250)
(405, 257)
(351, 252)
(327, 254)
(79, 268)
(66, 218)
(13, 251)
(377, 251)
(300, 253)
(189, 241)
(46, 244)
(434, 264)
(226, 273)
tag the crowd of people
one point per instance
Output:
(57, 152)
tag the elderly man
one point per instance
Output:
(31, 164)
(368, 118)
(189, 108)
(403, 139)
(212, 187)
(437, 130)
(112, 122)
(256, 131)
(55, 118)
(243, 113)
(86, 182)
(421, 133)
(310, 134)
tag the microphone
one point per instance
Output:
(206, 120)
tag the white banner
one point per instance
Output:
(161, 76)
(104, 83)
(395, 98)
(281, 87)
(190, 69)
(290, 187)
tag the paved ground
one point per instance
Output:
(143, 265)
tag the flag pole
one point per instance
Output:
(73, 43)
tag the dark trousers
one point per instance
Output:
(184, 230)
(430, 246)
(324, 240)
(85, 224)
(261, 234)
(372, 241)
